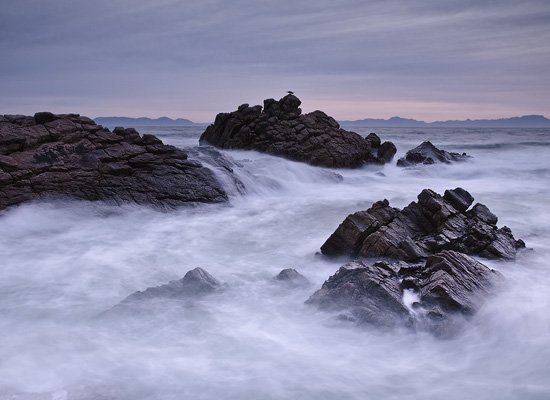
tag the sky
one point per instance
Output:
(428, 60)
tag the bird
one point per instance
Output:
(290, 92)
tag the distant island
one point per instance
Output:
(526, 121)
(142, 121)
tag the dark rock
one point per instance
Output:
(68, 155)
(43, 117)
(450, 288)
(386, 151)
(459, 199)
(427, 153)
(282, 130)
(432, 224)
(369, 293)
(454, 282)
(195, 283)
(292, 277)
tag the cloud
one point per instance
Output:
(195, 58)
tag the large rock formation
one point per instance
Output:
(281, 129)
(427, 153)
(448, 288)
(432, 224)
(69, 155)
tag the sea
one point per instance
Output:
(64, 263)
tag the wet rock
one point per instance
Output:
(292, 277)
(195, 283)
(430, 225)
(51, 155)
(427, 153)
(281, 129)
(370, 294)
(450, 287)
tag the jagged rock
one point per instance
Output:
(369, 293)
(427, 153)
(195, 283)
(69, 155)
(281, 129)
(292, 277)
(432, 224)
(450, 287)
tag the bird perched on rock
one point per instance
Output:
(290, 92)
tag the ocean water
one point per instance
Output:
(64, 263)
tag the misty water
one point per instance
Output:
(63, 263)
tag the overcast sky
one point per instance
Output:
(427, 60)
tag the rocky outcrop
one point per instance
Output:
(447, 289)
(281, 129)
(430, 225)
(291, 277)
(427, 153)
(69, 155)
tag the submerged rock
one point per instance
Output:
(427, 153)
(69, 155)
(195, 283)
(281, 129)
(175, 299)
(432, 224)
(291, 277)
(449, 288)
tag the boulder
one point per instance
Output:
(291, 277)
(195, 283)
(427, 153)
(155, 301)
(281, 129)
(449, 288)
(69, 155)
(428, 226)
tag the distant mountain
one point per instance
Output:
(526, 121)
(142, 121)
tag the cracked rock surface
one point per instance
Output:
(449, 288)
(280, 129)
(69, 155)
(425, 227)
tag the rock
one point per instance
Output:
(450, 288)
(152, 302)
(423, 228)
(43, 117)
(427, 153)
(454, 282)
(371, 294)
(195, 283)
(281, 129)
(68, 155)
(292, 277)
